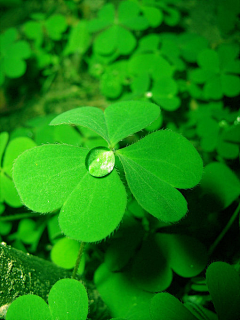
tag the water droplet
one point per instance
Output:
(100, 161)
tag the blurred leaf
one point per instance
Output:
(150, 268)
(78, 40)
(55, 26)
(224, 286)
(165, 306)
(220, 186)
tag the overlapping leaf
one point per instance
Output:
(116, 123)
(162, 161)
(67, 300)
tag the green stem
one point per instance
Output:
(224, 231)
(21, 216)
(78, 260)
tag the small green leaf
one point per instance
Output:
(65, 252)
(224, 286)
(165, 306)
(208, 59)
(94, 209)
(153, 15)
(230, 85)
(28, 307)
(68, 300)
(79, 39)
(55, 26)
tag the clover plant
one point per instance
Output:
(154, 167)
(13, 52)
(130, 174)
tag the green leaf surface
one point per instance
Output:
(14, 149)
(169, 156)
(165, 306)
(79, 39)
(53, 172)
(223, 283)
(94, 209)
(230, 85)
(126, 118)
(14, 68)
(116, 123)
(28, 307)
(187, 255)
(55, 26)
(161, 161)
(164, 92)
(125, 300)
(64, 253)
(8, 192)
(208, 59)
(150, 269)
(153, 15)
(114, 38)
(105, 18)
(68, 300)
(220, 186)
(89, 117)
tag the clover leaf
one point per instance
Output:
(116, 39)
(160, 255)
(8, 153)
(67, 300)
(218, 72)
(87, 187)
(13, 55)
(226, 299)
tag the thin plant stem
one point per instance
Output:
(78, 260)
(224, 231)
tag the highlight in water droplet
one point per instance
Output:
(100, 161)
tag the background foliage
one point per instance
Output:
(181, 56)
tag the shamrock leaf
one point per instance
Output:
(173, 164)
(8, 153)
(226, 299)
(13, 55)
(218, 72)
(87, 187)
(165, 306)
(67, 300)
(116, 39)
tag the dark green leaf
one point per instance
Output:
(165, 306)
(224, 286)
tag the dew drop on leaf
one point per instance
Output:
(100, 161)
